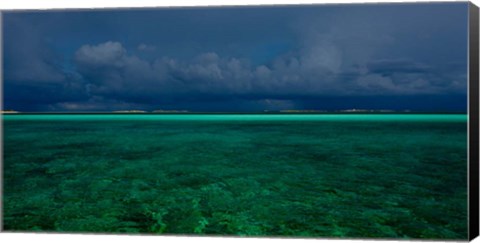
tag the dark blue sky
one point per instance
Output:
(324, 57)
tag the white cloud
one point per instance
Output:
(108, 54)
(314, 70)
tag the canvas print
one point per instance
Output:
(325, 121)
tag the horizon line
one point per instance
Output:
(223, 112)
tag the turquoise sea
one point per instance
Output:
(295, 175)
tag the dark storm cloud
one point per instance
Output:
(28, 60)
(389, 67)
(235, 59)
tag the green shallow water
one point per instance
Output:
(246, 117)
(368, 176)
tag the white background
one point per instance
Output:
(61, 4)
